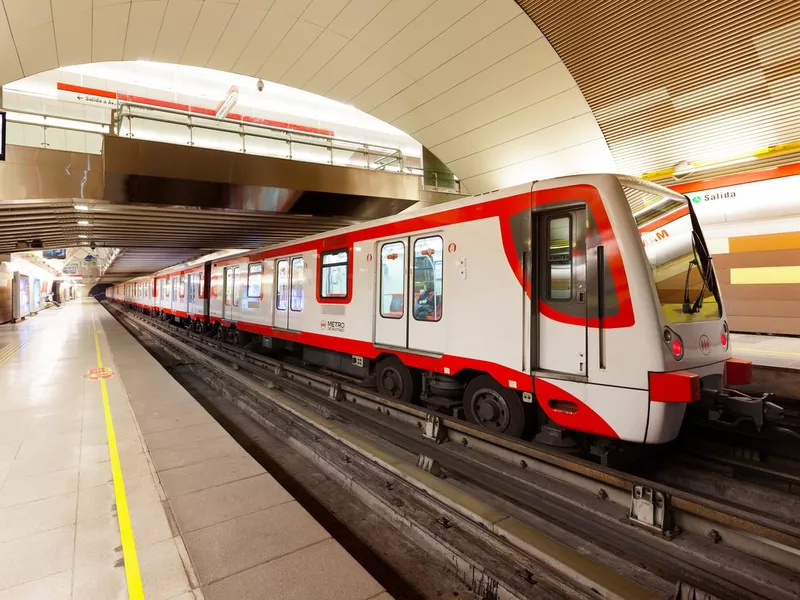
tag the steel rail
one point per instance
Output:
(775, 539)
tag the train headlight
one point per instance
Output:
(725, 337)
(674, 343)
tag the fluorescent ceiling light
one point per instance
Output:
(80, 235)
(83, 223)
(81, 207)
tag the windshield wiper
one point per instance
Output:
(688, 306)
(706, 271)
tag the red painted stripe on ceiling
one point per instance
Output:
(79, 89)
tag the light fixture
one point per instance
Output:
(83, 237)
(81, 207)
(83, 223)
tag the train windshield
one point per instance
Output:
(682, 268)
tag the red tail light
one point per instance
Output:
(723, 338)
(674, 343)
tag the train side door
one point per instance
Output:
(297, 282)
(280, 317)
(391, 316)
(426, 323)
(229, 293)
(562, 318)
(191, 294)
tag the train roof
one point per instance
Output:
(626, 180)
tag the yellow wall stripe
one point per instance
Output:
(765, 275)
(132, 574)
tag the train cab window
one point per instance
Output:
(298, 267)
(254, 280)
(333, 274)
(393, 262)
(427, 290)
(282, 292)
(559, 258)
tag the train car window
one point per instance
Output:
(190, 286)
(167, 286)
(298, 268)
(254, 271)
(393, 261)
(559, 258)
(182, 286)
(427, 290)
(333, 274)
(281, 297)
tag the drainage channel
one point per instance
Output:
(515, 483)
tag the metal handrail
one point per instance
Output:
(267, 132)
(394, 155)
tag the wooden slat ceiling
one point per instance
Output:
(681, 80)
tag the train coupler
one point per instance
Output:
(732, 407)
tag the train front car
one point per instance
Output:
(655, 340)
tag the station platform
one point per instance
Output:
(115, 482)
(779, 352)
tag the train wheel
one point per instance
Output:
(493, 407)
(396, 380)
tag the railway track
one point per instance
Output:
(636, 537)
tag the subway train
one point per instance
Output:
(578, 304)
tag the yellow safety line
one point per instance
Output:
(132, 574)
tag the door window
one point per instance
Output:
(559, 258)
(427, 290)
(282, 293)
(393, 260)
(228, 286)
(298, 267)
(254, 280)
(236, 292)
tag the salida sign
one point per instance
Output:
(711, 196)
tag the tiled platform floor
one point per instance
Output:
(207, 520)
(767, 350)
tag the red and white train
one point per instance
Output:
(563, 303)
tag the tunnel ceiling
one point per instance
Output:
(681, 80)
(473, 80)
(150, 236)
